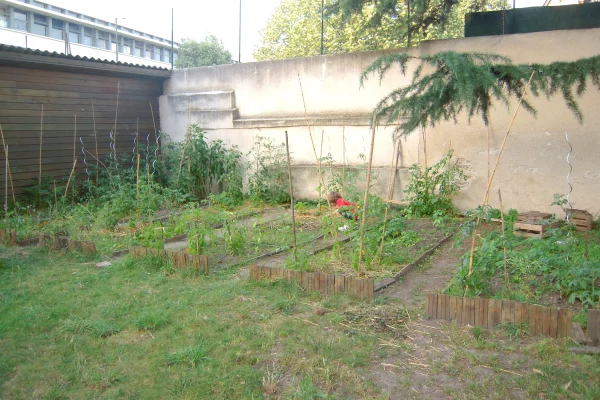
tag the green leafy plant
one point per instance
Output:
(269, 181)
(431, 189)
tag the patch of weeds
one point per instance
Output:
(151, 320)
(287, 306)
(97, 328)
(301, 263)
(308, 391)
(192, 356)
(514, 330)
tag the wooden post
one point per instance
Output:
(287, 148)
(593, 332)
(366, 198)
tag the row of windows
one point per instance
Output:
(55, 28)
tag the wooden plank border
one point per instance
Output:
(327, 284)
(489, 313)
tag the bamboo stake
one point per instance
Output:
(287, 147)
(116, 115)
(320, 168)
(503, 238)
(41, 141)
(311, 137)
(95, 139)
(8, 164)
(489, 184)
(390, 196)
(137, 180)
(75, 138)
(55, 196)
(70, 176)
(6, 184)
(344, 161)
(366, 199)
(154, 123)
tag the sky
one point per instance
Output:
(195, 19)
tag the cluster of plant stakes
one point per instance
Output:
(201, 182)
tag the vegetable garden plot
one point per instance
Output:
(405, 242)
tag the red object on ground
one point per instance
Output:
(341, 202)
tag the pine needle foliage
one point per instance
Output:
(447, 84)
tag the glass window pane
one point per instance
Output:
(20, 20)
(157, 53)
(3, 21)
(149, 49)
(73, 37)
(56, 33)
(88, 40)
(39, 29)
(101, 43)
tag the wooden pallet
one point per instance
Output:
(580, 218)
(534, 228)
(533, 216)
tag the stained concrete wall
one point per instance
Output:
(236, 103)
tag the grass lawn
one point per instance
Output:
(140, 330)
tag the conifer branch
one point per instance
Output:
(446, 84)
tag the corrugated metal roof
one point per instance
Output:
(23, 50)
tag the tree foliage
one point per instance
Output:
(469, 82)
(294, 30)
(210, 51)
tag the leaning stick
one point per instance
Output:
(311, 137)
(70, 176)
(41, 139)
(489, 184)
(366, 198)
(8, 164)
(97, 161)
(390, 195)
(287, 148)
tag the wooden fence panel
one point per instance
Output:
(489, 313)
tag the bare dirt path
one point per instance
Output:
(431, 276)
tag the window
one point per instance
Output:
(20, 20)
(127, 45)
(57, 29)
(38, 4)
(113, 42)
(74, 32)
(88, 36)
(157, 53)
(149, 50)
(3, 17)
(40, 25)
(138, 49)
(166, 55)
(102, 41)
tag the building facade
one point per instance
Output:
(36, 25)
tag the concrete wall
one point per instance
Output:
(238, 102)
